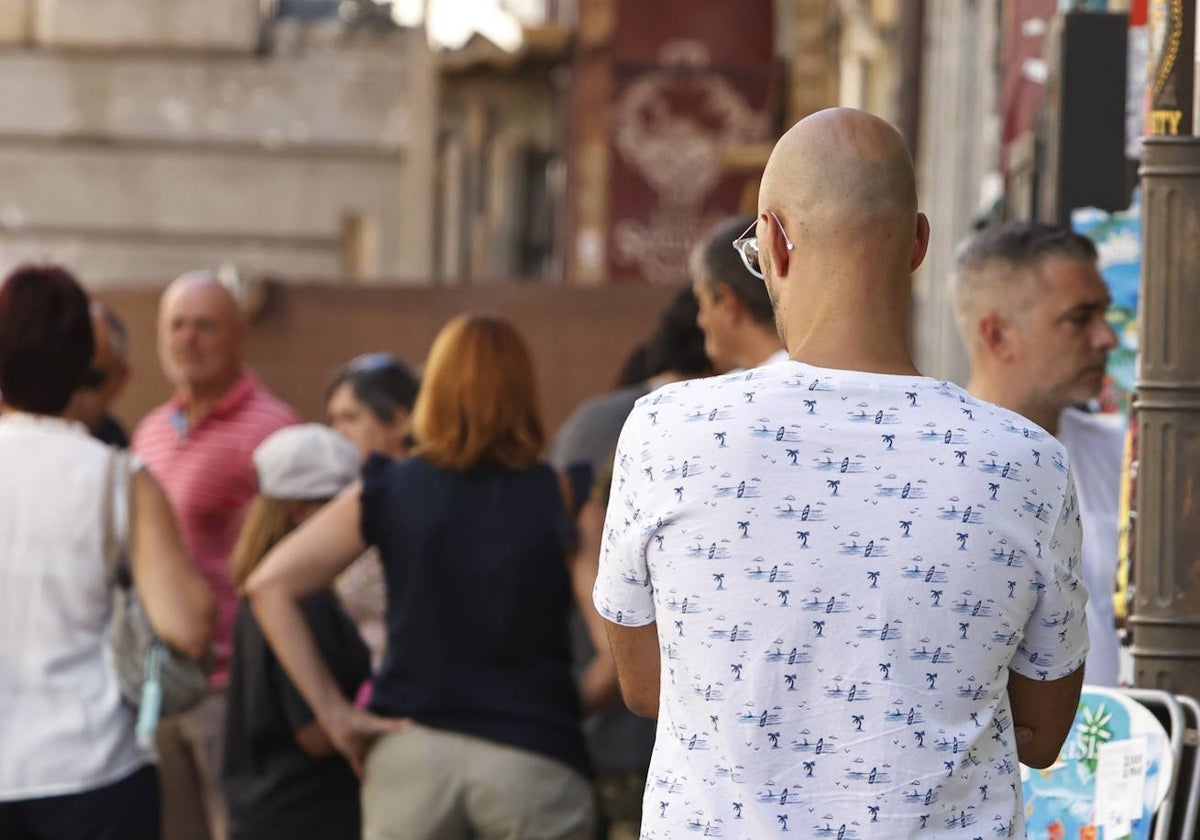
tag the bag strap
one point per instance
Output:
(116, 511)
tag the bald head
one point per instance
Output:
(840, 174)
(839, 236)
(201, 335)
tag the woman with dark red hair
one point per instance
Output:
(70, 766)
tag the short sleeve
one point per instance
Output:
(579, 478)
(623, 593)
(375, 511)
(1055, 642)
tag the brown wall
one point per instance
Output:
(579, 337)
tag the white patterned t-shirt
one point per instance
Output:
(843, 568)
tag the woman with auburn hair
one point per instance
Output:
(474, 725)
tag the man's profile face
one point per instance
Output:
(200, 336)
(1062, 339)
(713, 320)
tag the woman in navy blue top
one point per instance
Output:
(475, 701)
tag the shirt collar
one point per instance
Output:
(234, 397)
(16, 417)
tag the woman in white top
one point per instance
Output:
(70, 768)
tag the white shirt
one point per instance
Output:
(843, 567)
(1097, 446)
(63, 726)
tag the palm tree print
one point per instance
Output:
(846, 548)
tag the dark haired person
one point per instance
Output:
(106, 377)
(369, 400)
(619, 742)
(70, 767)
(735, 309)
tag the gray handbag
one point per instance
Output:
(153, 678)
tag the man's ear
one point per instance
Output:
(921, 244)
(777, 245)
(995, 335)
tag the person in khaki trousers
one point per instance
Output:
(474, 725)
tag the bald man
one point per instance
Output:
(199, 446)
(847, 591)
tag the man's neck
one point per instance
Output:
(199, 400)
(759, 346)
(993, 392)
(845, 349)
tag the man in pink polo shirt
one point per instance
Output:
(199, 445)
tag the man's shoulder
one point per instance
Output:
(603, 407)
(268, 410)
(1081, 428)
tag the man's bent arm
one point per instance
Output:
(635, 650)
(1048, 710)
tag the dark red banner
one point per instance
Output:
(691, 83)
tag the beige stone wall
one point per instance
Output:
(148, 24)
(150, 154)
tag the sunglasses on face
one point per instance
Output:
(747, 246)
